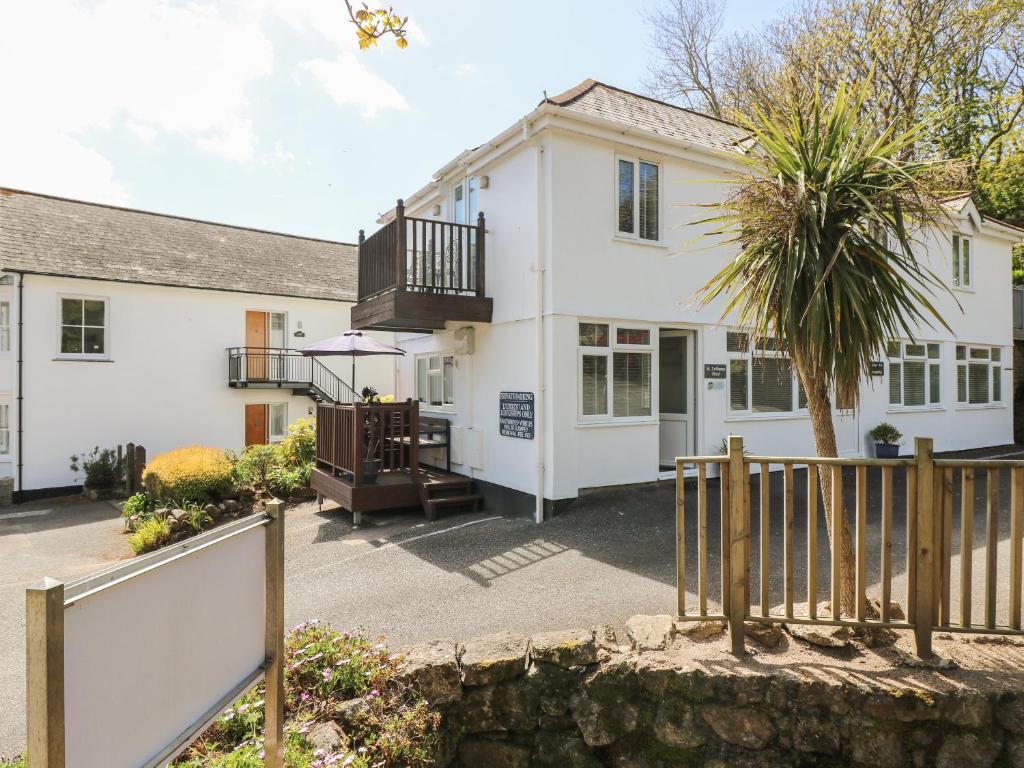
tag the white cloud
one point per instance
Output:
(159, 68)
(350, 83)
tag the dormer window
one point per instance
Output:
(963, 265)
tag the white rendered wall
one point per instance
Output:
(165, 385)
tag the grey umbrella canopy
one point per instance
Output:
(353, 344)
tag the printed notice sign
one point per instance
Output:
(714, 370)
(515, 414)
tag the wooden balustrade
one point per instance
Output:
(938, 495)
(350, 435)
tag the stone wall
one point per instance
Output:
(668, 694)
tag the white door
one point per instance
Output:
(675, 396)
(847, 428)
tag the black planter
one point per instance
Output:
(886, 451)
(371, 468)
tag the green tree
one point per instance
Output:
(825, 219)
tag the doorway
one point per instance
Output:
(264, 331)
(677, 426)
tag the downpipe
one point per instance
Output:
(538, 270)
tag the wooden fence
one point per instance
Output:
(939, 497)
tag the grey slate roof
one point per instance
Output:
(41, 234)
(610, 103)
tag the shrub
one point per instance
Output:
(194, 473)
(101, 467)
(151, 534)
(195, 516)
(256, 467)
(138, 504)
(886, 433)
(300, 445)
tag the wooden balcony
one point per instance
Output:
(417, 274)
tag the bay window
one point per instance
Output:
(915, 374)
(638, 198)
(979, 375)
(435, 380)
(614, 372)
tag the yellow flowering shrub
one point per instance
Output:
(193, 473)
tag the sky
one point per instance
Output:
(264, 113)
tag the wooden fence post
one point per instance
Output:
(44, 674)
(273, 736)
(129, 468)
(140, 465)
(738, 477)
(680, 538)
(923, 597)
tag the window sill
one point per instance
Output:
(438, 409)
(616, 423)
(637, 241)
(980, 406)
(962, 289)
(72, 359)
(918, 409)
(766, 417)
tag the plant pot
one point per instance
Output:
(371, 468)
(886, 451)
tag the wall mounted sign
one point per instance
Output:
(515, 414)
(714, 370)
(299, 334)
(877, 368)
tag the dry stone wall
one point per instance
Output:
(668, 694)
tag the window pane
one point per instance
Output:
(895, 383)
(632, 336)
(276, 329)
(737, 342)
(593, 334)
(965, 261)
(625, 196)
(93, 341)
(801, 394)
(961, 383)
(434, 363)
(979, 353)
(913, 383)
(70, 340)
(71, 311)
(892, 349)
(648, 200)
(5, 414)
(631, 384)
(915, 350)
(961, 352)
(594, 385)
(933, 351)
(997, 384)
(421, 379)
(5, 339)
(772, 385)
(934, 384)
(5, 313)
(449, 380)
(278, 421)
(672, 374)
(956, 259)
(434, 389)
(997, 354)
(977, 382)
(738, 396)
(93, 312)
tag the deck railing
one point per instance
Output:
(351, 438)
(268, 366)
(423, 255)
(938, 496)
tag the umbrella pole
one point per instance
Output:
(353, 373)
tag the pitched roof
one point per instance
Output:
(597, 99)
(42, 234)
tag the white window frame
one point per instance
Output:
(963, 279)
(634, 234)
(469, 205)
(424, 397)
(749, 355)
(105, 355)
(608, 352)
(5, 426)
(5, 326)
(901, 358)
(271, 437)
(996, 369)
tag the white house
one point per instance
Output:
(583, 303)
(122, 326)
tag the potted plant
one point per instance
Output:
(887, 440)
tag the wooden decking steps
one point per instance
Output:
(445, 491)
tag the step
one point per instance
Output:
(450, 501)
(448, 482)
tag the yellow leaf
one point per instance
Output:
(401, 42)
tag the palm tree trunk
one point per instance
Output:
(820, 409)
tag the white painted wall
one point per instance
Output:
(165, 384)
(593, 274)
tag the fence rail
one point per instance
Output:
(352, 437)
(923, 503)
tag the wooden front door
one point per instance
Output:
(255, 424)
(256, 333)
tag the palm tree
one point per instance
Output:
(826, 215)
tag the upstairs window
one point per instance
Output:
(638, 198)
(962, 262)
(83, 327)
(5, 326)
(915, 374)
(979, 375)
(435, 380)
(5, 428)
(614, 372)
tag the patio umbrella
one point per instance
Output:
(353, 344)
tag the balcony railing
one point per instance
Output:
(353, 439)
(423, 255)
(276, 367)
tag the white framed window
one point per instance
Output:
(435, 380)
(761, 377)
(614, 371)
(464, 203)
(637, 198)
(5, 428)
(979, 375)
(277, 422)
(5, 326)
(963, 261)
(915, 374)
(83, 327)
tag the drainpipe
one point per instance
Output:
(538, 270)
(20, 364)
